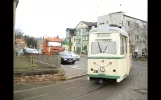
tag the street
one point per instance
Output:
(81, 64)
(134, 87)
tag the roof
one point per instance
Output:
(135, 18)
(70, 29)
(108, 29)
(116, 12)
(129, 16)
(89, 24)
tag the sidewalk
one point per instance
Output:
(71, 73)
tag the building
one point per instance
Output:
(77, 38)
(39, 43)
(136, 28)
(20, 43)
(70, 40)
(82, 36)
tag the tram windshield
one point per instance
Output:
(103, 47)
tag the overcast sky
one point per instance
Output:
(52, 17)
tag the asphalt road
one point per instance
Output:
(77, 89)
(81, 64)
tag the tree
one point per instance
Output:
(18, 33)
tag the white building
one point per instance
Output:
(136, 28)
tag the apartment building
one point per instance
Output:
(82, 36)
(136, 28)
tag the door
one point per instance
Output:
(126, 54)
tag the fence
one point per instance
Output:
(40, 60)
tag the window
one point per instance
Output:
(74, 39)
(74, 48)
(136, 37)
(102, 23)
(83, 38)
(78, 32)
(121, 45)
(136, 25)
(84, 30)
(128, 23)
(78, 41)
(125, 43)
(122, 23)
(53, 44)
(86, 37)
(103, 47)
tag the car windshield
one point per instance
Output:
(103, 47)
(64, 54)
(53, 44)
(72, 53)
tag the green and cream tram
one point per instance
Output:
(109, 54)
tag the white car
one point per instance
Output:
(77, 57)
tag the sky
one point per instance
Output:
(52, 17)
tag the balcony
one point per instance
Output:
(68, 43)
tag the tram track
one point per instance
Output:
(73, 98)
(57, 91)
(96, 87)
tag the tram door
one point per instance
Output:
(126, 53)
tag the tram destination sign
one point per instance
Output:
(103, 35)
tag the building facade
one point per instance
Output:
(82, 36)
(69, 40)
(136, 28)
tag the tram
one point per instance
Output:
(109, 56)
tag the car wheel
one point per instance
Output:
(62, 62)
(73, 62)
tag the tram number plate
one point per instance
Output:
(95, 71)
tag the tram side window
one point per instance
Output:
(121, 45)
(125, 43)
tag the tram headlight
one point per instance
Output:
(102, 69)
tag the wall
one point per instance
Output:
(83, 33)
(73, 43)
(121, 20)
(66, 47)
(110, 19)
(52, 60)
(133, 32)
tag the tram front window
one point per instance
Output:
(103, 47)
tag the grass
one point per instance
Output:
(142, 59)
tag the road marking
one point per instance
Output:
(18, 91)
(45, 63)
(75, 66)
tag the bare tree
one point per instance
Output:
(18, 33)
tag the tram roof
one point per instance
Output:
(108, 29)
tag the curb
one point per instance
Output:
(74, 77)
